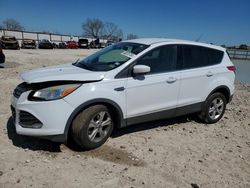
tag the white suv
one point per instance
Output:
(127, 83)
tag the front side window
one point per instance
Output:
(160, 60)
(111, 57)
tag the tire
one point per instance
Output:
(213, 108)
(92, 127)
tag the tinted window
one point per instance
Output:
(162, 59)
(214, 56)
(196, 56)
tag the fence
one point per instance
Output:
(37, 36)
(239, 54)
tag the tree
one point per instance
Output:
(119, 34)
(112, 31)
(93, 27)
(131, 36)
(12, 24)
(243, 47)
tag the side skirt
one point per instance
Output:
(184, 110)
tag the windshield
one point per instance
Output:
(111, 57)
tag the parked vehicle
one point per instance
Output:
(72, 44)
(62, 45)
(9, 42)
(2, 56)
(110, 42)
(28, 43)
(95, 43)
(83, 43)
(45, 44)
(55, 45)
(127, 83)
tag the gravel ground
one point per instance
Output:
(178, 152)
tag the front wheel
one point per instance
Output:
(92, 127)
(213, 108)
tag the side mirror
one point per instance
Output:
(141, 69)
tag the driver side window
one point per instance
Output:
(160, 60)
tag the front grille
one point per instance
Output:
(21, 88)
(27, 120)
(13, 111)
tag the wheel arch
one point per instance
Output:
(222, 89)
(113, 106)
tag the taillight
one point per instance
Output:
(231, 68)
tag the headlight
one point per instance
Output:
(53, 93)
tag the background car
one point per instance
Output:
(55, 45)
(28, 43)
(2, 56)
(109, 42)
(72, 45)
(83, 43)
(62, 45)
(45, 44)
(10, 42)
(95, 43)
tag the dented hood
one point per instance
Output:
(66, 72)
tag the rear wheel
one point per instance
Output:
(213, 108)
(92, 127)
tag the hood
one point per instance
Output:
(66, 72)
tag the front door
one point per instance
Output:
(154, 95)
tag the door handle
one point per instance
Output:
(171, 80)
(209, 74)
(119, 89)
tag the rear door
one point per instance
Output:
(197, 75)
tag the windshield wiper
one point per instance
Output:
(76, 61)
(81, 65)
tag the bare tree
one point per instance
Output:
(131, 36)
(12, 24)
(93, 27)
(110, 29)
(119, 34)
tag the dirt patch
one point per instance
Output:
(114, 155)
(10, 65)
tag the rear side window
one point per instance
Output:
(197, 56)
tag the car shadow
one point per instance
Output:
(30, 143)
(36, 144)
(154, 124)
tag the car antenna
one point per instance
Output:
(199, 38)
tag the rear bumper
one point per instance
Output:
(2, 58)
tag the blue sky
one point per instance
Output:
(220, 22)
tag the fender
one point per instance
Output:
(222, 87)
(92, 102)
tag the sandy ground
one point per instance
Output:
(178, 152)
